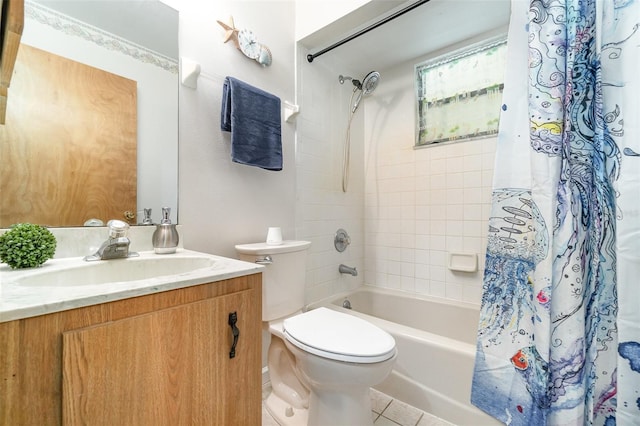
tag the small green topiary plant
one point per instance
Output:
(27, 245)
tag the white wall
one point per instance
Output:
(421, 204)
(223, 203)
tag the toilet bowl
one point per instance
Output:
(321, 363)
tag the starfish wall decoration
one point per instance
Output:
(246, 42)
(231, 32)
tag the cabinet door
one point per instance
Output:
(170, 367)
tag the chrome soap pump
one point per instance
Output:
(165, 237)
(147, 217)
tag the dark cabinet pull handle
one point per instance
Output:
(233, 319)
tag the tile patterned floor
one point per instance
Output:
(387, 411)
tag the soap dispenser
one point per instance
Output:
(165, 237)
(147, 217)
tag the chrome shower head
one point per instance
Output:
(367, 87)
(370, 82)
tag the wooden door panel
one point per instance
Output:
(68, 148)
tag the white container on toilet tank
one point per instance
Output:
(283, 282)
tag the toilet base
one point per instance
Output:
(284, 413)
(325, 408)
(340, 407)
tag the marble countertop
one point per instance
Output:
(21, 299)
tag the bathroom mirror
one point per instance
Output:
(136, 40)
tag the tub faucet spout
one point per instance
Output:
(344, 269)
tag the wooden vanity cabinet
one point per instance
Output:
(160, 359)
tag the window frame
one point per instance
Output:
(490, 94)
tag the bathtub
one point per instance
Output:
(435, 339)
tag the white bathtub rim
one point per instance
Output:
(411, 333)
(393, 292)
(401, 329)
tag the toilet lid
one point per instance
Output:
(339, 336)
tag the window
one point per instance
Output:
(459, 94)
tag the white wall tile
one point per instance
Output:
(456, 196)
(454, 243)
(407, 284)
(438, 242)
(455, 212)
(423, 242)
(473, 162)
(471, 294)
(422, 286)
(454, 180)
(422, 271)
(472, 211)
(394, 281)
(437, 288)
(453, 291)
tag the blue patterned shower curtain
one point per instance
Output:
(559, 332)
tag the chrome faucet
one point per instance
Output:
(344, 269)
(116, 246)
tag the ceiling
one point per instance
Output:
(428, 28)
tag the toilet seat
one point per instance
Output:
(339, 336)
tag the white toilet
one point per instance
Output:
(321, 362)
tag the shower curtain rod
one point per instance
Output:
(312, 56)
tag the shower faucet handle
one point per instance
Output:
(346, 240)
(341, 240)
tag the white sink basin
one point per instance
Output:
(71, 282)
(117, 270)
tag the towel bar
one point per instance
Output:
(189, 72)
(290, 111)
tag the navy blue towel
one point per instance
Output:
(253, 118)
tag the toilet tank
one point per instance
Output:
(284, 277)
